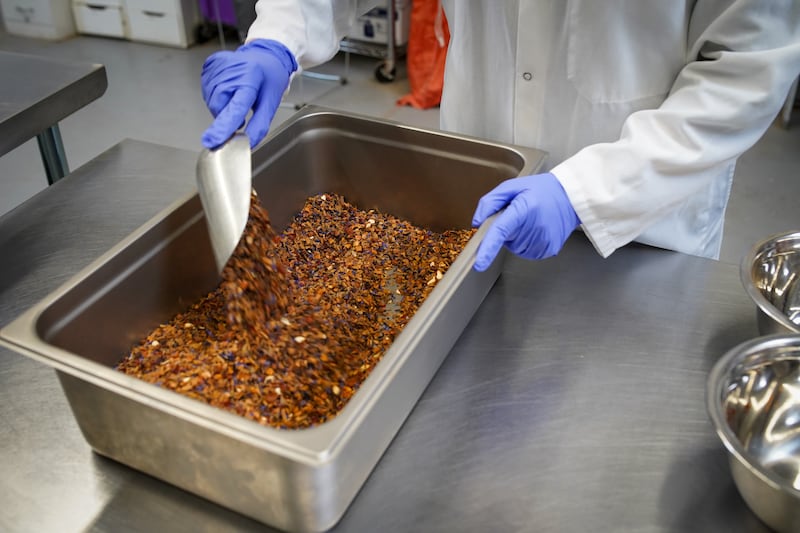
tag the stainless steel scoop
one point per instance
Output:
(224, 181)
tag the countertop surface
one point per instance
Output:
(36, 93)
(573, 401)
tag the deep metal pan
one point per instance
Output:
(298, 480)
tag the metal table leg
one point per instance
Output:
(53, 156)
(391, 54)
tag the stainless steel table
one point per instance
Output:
(35, 94)
(574, 400)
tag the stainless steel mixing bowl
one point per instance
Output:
(753, 398)
(770, 274)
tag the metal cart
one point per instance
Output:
(385, 71)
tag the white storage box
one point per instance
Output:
(373, 26)
(43, 19)
(100, 17)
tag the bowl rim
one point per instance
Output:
(714, 388)
(745, 273)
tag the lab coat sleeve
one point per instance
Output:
(742, 59)
(310, 29)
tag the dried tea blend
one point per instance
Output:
(300, 319)
(253, 281)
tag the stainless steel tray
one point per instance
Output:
(296, 480)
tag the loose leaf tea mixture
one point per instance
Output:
(253, 281)
(300, 319)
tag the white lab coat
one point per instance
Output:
(643, 105)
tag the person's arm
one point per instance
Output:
(310, 29)
(286, 36)
(744, 56)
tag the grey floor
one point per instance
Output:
(154, 95)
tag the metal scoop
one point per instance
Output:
(224, 181)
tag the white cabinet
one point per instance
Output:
(170, 22)
(43, 19)
(100, 17)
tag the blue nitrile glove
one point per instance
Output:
(536, 222)
(254, 76)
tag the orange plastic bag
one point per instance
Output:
(425, 54)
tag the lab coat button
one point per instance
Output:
(527, 76)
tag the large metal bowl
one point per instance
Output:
(753, 398)
(770, 274)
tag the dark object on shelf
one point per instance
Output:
(226, 19)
